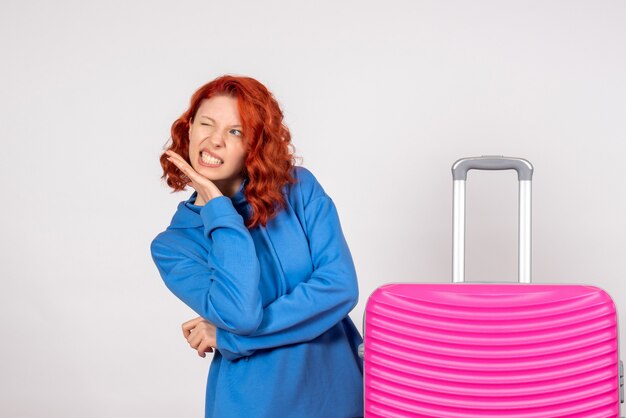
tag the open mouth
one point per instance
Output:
(210, 159)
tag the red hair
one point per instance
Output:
(269, 156)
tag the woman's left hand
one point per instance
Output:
(200, 335)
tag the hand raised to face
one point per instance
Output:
(206, 189)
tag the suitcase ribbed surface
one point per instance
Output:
(481, 350)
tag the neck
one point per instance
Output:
(229, 188)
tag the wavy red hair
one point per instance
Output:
(269, 156)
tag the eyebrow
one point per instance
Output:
(213, 120)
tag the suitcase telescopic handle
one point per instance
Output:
(524, 174)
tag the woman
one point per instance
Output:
(258, 253)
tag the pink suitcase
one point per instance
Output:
(491, 350)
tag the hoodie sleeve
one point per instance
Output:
(313, 306)
(223, 289)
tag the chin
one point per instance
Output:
(206, 172)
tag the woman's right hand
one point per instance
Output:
(206, 189)
(200, 335)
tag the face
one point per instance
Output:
(216, 144)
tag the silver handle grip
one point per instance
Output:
(492, 162)
(459, 173)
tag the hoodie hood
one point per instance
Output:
(188, 214)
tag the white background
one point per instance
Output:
(381, 99)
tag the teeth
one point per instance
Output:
(210, 159)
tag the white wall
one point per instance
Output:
(381, 98)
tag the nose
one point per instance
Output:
(217, 139)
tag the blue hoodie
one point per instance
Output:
(279, 296)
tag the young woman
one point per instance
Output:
(258, 253)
